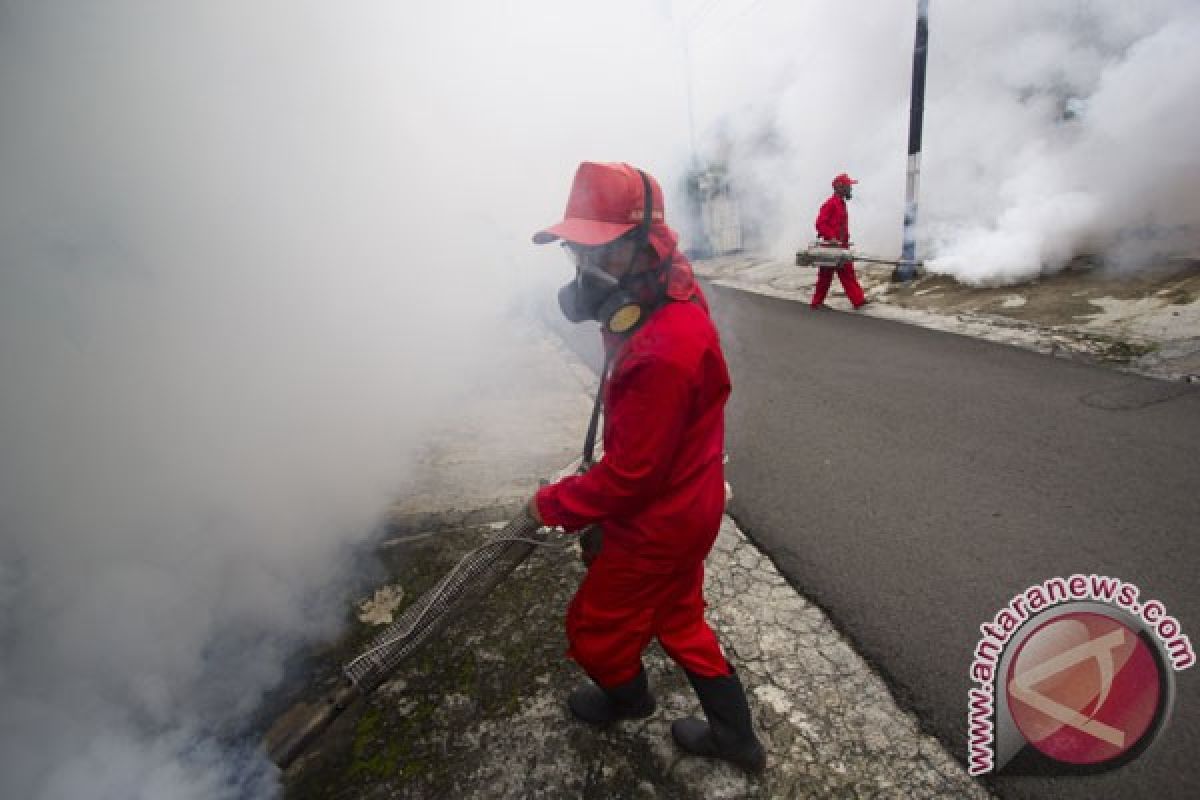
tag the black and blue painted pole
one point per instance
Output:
(906, 270)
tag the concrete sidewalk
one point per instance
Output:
(481, 712)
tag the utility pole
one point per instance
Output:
(687, 76)
(906, 270)
(694, 182)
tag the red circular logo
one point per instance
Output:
(1084, 688)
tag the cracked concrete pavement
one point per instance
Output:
(831, 726)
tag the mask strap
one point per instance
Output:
(643, 239)
(647, 208)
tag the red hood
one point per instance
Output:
(681, 281)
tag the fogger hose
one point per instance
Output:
(469, 581)
(372, 665)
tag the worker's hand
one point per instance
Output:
(533, 510)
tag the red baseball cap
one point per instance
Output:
(605, 203)
(843, 180)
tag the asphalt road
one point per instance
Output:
(912, 482)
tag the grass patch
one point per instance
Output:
(1119, 351)
(1179, 296)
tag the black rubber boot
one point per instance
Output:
(599, 706)
(729, 732)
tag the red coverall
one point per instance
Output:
(833, 223)
(658, 494)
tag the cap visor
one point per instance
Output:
(587, 232)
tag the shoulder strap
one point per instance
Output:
(589, 443)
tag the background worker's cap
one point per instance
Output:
(843, 180)
(606, 202)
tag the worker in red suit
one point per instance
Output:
(658, 492)
(833, 226)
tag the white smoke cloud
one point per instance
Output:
(1052, 129)
(248, 253)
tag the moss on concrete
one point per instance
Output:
(1119, 351)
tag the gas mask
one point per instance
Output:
(596, 295)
